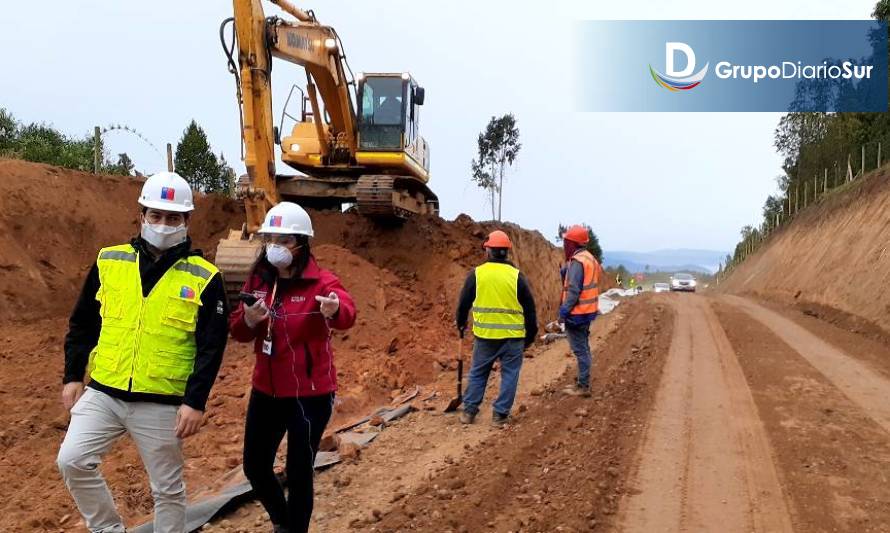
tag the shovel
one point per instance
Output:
(455, 403)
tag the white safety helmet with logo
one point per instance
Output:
(167, 191)
(287, 218)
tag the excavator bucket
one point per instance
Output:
(235, 256)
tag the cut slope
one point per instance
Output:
(833, 257)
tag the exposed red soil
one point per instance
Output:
(52, 223)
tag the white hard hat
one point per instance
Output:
(287, 218)
(167, 191)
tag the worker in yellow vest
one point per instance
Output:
(148, 331)
(504, 325)
(580, 301)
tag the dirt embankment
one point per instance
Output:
(52, 223)
(833, 260)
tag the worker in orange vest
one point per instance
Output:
(580, 301)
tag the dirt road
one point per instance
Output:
(706, 459)
(710, 413)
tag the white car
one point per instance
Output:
(661, 287)
(682, 281)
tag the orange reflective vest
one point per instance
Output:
(588, 300)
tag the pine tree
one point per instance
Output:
(195, 161)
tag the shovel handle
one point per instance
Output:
(460, 366)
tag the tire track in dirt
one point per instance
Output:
(866, 387)
(706, 463)
(832, 457)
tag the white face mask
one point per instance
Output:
(164, 237)
(279, 256)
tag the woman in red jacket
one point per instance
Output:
(294, 378)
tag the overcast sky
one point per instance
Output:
(644, 181)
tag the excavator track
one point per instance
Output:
(394, 197)
(235, 257)
(380, 197)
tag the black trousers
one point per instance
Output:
(304, 420)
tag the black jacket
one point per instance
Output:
(523, 294)
(211, 331)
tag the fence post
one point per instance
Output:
(96, 149)
(879, 154)
(825, 183)
(815, 188)
(797, 199)
(805, 194)
(862, 168)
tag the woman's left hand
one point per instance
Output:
(329, 305)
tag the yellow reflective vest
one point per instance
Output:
(497, 313)
(147, 344)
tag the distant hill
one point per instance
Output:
(669, 260)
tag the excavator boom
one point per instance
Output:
(354, 141)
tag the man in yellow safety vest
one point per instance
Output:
(504, 325)
(149, 330)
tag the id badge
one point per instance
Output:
(267, 347)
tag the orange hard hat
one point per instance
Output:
(577, 233)
(497, 239)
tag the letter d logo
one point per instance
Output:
(669, 50)
(678, 80)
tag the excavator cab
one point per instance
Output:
(389, 121)
(389, 110)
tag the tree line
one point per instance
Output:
(41, 143)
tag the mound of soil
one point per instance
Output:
(53, 222)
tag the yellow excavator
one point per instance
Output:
(355, 139)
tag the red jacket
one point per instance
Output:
(302, 362)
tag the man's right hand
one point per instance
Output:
(71, 392)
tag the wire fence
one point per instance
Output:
(817, 178)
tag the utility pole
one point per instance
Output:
(97, 149)
(169, 157)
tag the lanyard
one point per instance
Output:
(271, 315)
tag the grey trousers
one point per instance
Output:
(97, 420)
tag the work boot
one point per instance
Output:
(578, 390)
(467, 418)
(498, 420)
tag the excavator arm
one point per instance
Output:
(316, 48)
(374, 159)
